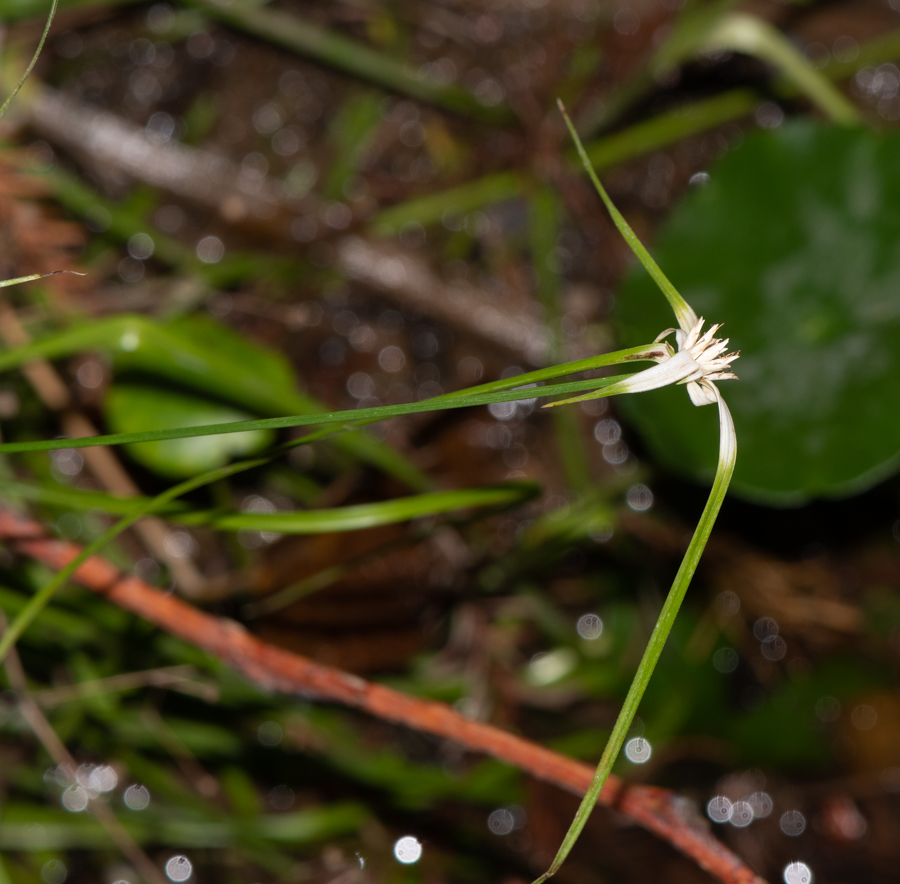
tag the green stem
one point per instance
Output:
(727, 454)
(33, 61)
(357, 417)
(683, 311)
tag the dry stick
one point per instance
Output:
(274, 669)
(175, 678)
(57, 750)
(104, 465)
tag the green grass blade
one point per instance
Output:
(161, 349)
(740, 32)
(346, 518)
(345, 54)
(605, 153)
(348, 419)
(683, 311)
(485, 394)
(31, 64)
(459, 200)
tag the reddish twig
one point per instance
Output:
(657, 810)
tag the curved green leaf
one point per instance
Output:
(132, 408)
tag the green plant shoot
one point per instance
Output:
(698, 363)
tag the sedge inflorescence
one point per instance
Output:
(709, 364)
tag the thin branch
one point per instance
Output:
(274, 669)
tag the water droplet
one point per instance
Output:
(762, 804)
(282, 797)
(615, 454)
(769, 115)
(408, 850)
(639, 498)
(90, 374)
(765, 628)
(269, 733)
(828, 709)
(501, 821)
(845, 49)
(864, 717)
(392, 359)
(267, 119)
(792, 823)
(54, 872)
(75, 799)
(589, 627)
(600, 532)
(179, 868)
(140, 246)
(638, 750)
(627, 22)
(131, 270)
(136, 797)
(178, 544)
(719, 809)
(741, 814)
(797, 873)
(210, 250)
(607, 432)
(773, 648)
(102, 779)
(728, 603)
(726, 659)
(502, 411)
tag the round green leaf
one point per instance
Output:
(794, 244)
(132, 408)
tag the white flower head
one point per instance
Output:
(698, 362)
(705, 352)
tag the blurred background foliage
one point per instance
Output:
(288, 207)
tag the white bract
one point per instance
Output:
(698, 362)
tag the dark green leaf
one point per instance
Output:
(132, 408)
(795, 246)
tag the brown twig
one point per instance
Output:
(274, 669)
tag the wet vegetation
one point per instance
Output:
(290, 209)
